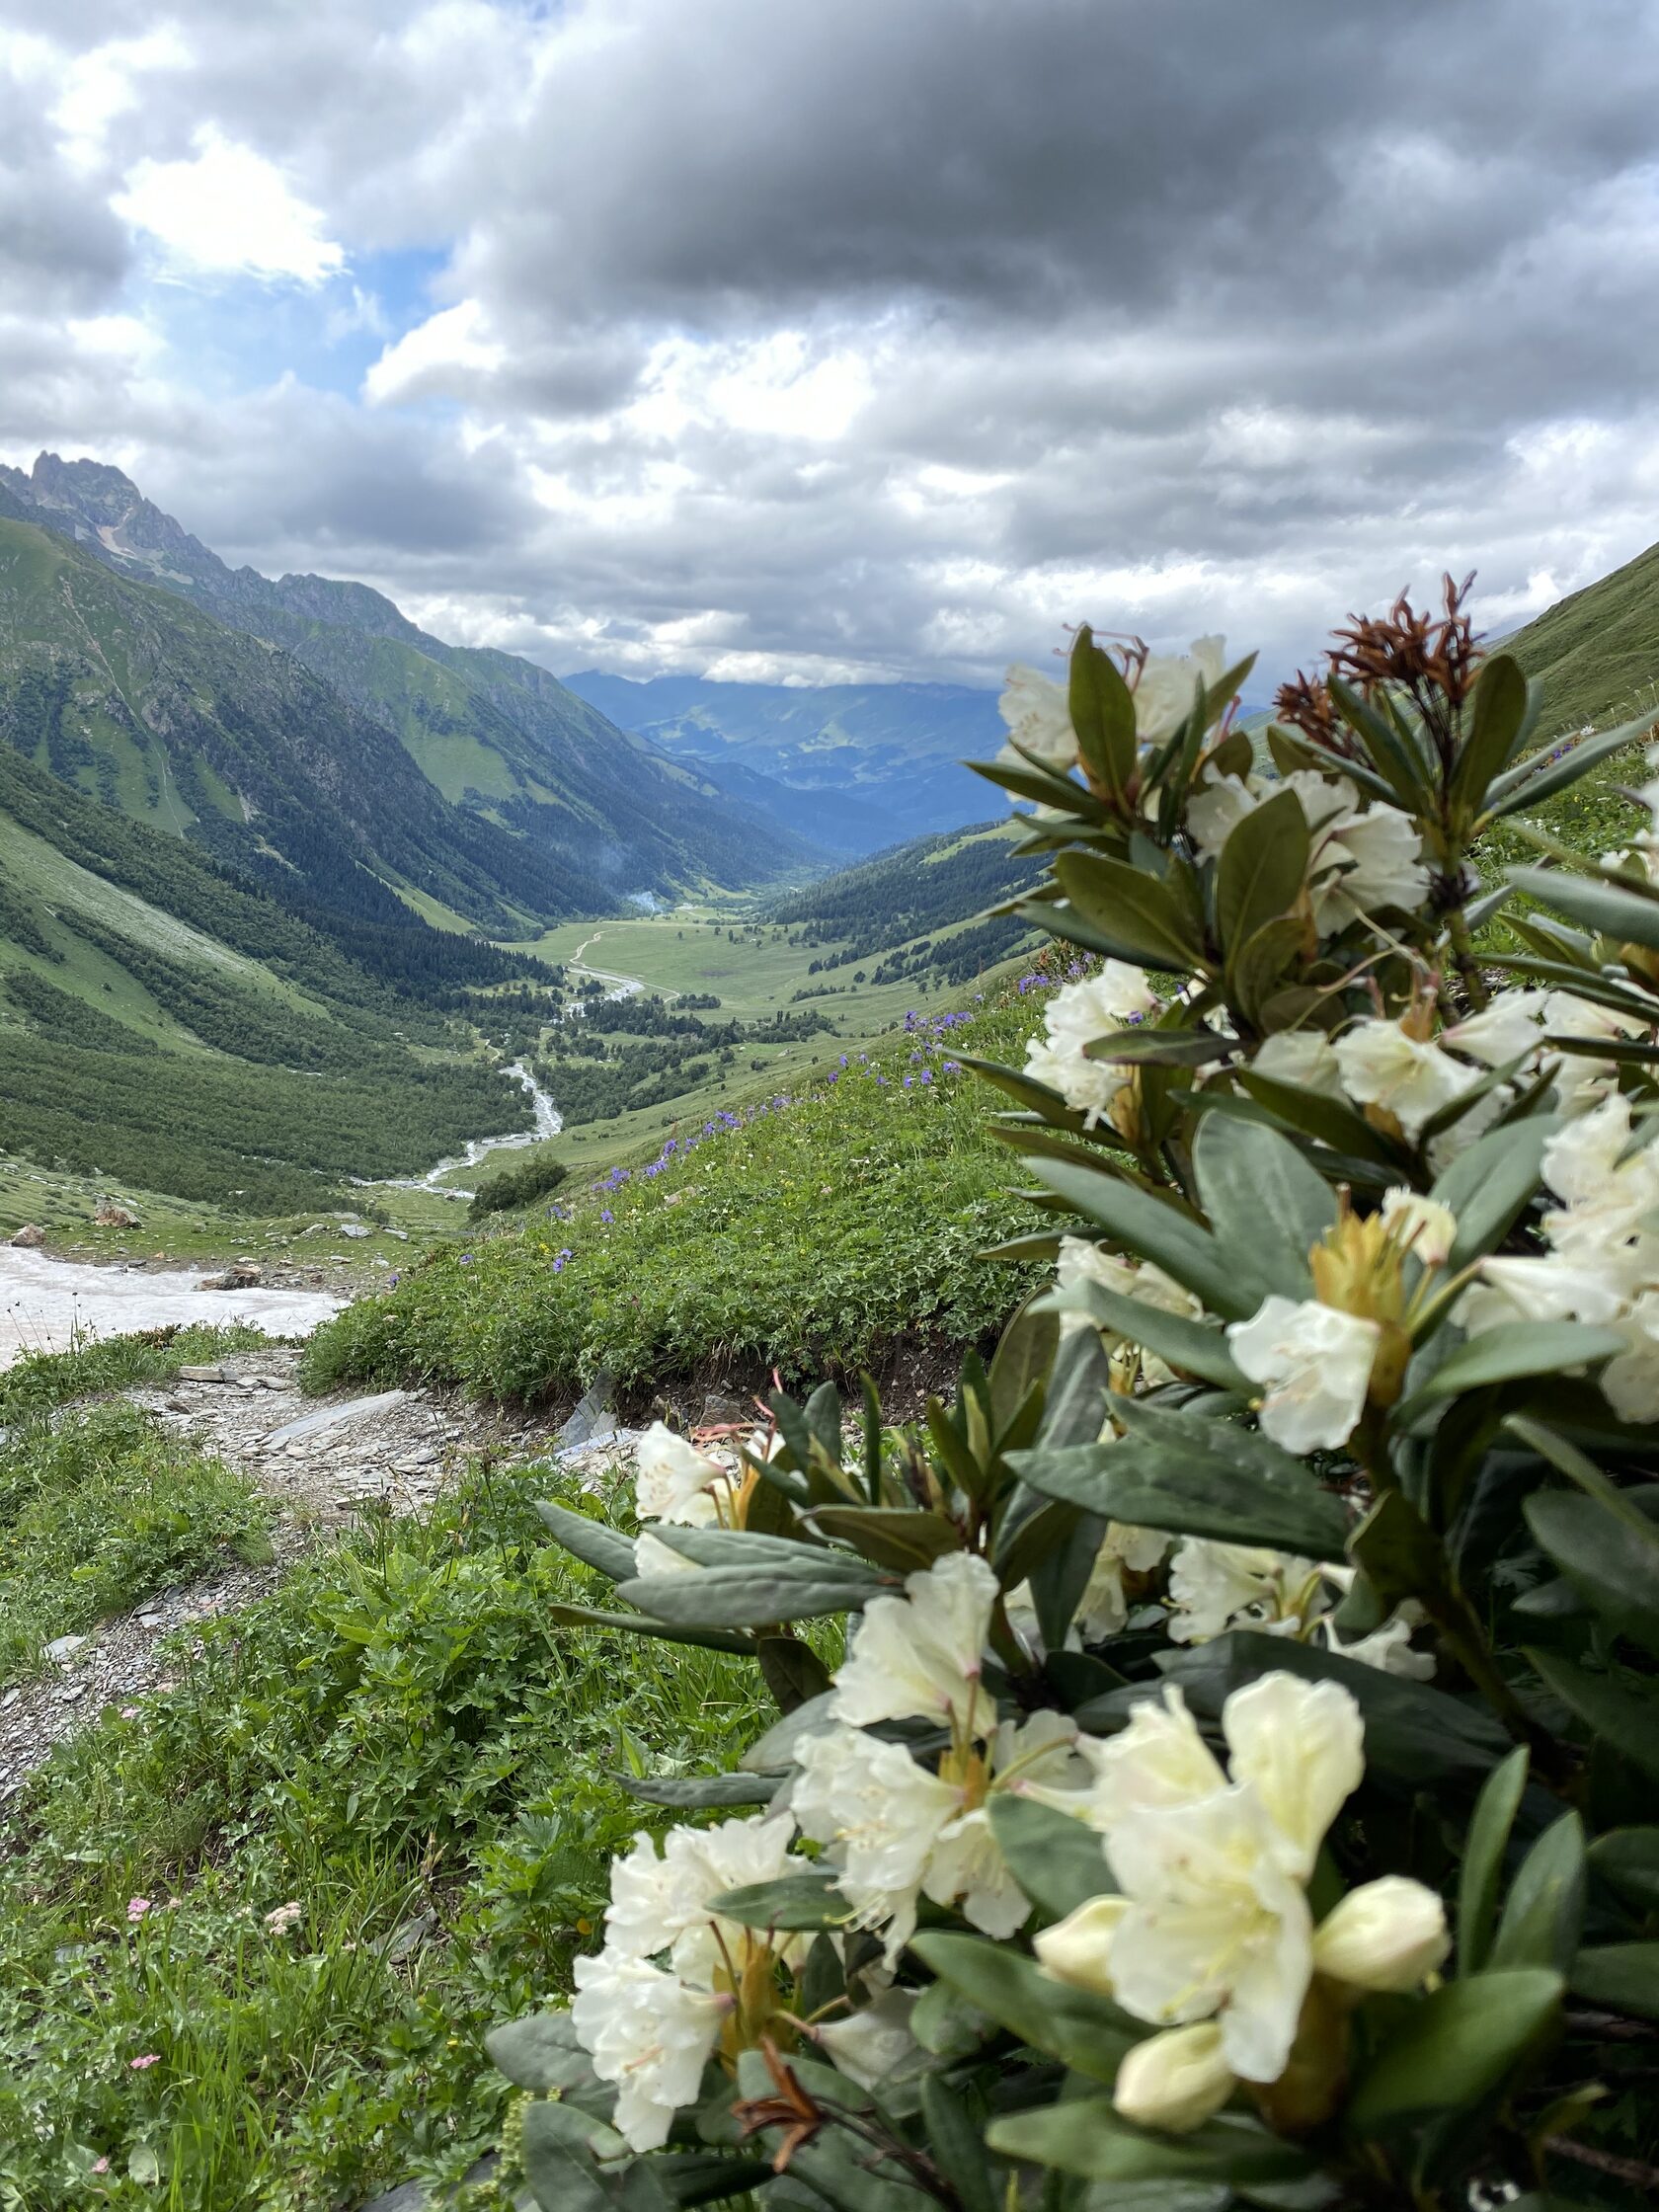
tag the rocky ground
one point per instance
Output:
(323, 1463)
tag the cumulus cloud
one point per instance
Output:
(845, 336)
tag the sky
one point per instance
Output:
(833, 340)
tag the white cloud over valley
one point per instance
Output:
(847, 337)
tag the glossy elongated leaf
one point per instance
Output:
(1262, 869)
(957, 2148)
(1024, 1358)
(1151, 1229)
(1622, 1716)
(1625, 1977)
(539, 2052)
(1487, 1186)
(1194, 1476)
(1627, 1859)
(1133, 909)
(1030, 781)
(1156, 1046)
(1545, 1908)
(795, 1674)
(1484, 1846)
(1496, 724)
(1613, 1560)
(1532, 779)
(795, 1901)
(756, 1597)
(1610, 910)
(1102, 713)
(1058, 1572)
(692, 1791)
(747, 1549)
(1191, 1347)
(1414, 1735)
(1455, 2048)
(1397, 757)
(636, 1624)
(1058, 1861)
(1088, 2033)
(901, 1538)
(590, 1540)
(562, 2151)
(1332, 1121)
(1508, 1355)
(1082, 1375)
(1258, 967)
(1087, 2136)
(1267, 1206)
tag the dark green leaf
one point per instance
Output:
(1483, 1856)
(1194, 1476)
(1545, 1908)
(1624, 1717)
(539, 2052)
(1257, 968)
(1152, 1229)
(1024, 1358)
(590, 1616)
(756, 1597)
(795, 1674)
(1059, 1572)
(560, 2143)
(948, 2025)
(795, 1901)
(776, 1748)
(1622, 1977)
(1086, 2135)
(1610, 1558)
(689, 1791)
(1267, 1207)
(1157, 1047)
(1507, 1354)
(1456, 2048)
(590, 1540)
(1500, 707)
(1332, 1121)
(1088, 2033)
(1191, 1347)
(1400, 764)
(1610, 910)
(1627, 1859)
(1058, 1861)
(1262, 868)
(1132, 908)
(904, 1538)
(1532, 779)
(1102, 713)
(958, 2147)
(1487, 1186)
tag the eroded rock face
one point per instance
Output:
(30, 1237)
(240, 1275)
(115, 1217)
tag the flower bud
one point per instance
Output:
(1078, 1949)
(1176, 2080)
(1388, 1934)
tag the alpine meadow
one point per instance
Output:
(829, 1064)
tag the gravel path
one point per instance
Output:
(321, 1462)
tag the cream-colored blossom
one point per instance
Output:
(662, 1904)
(1383, 1066)
(674, 1481)
(919, 1657)
(1388, 1934)
(866, 2046)
(1303, 1057)
(651, 2034)
(1313, 1362)
(1506, 1030)
(1078, 1949)
(1038, 716)
(1431, 1227)
(1073, 1018)
(1168, 683)
(1214, 1587)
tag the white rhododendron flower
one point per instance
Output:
(1213, 1871)
(1082, 1261)
(1361, 860)
(1313, 1362)
(1303, 1057)
(1506, 1030)
(648, 2032)
(1382, 1065)
(1215, 1587)
(1581, 1080)
(1168, 683)
(1103, 1608)
(894, 1832)
(651, 2028)
(918, 1657)
(674, 1481)
(1630, 1379)
(1431, 1227)
(1038, 716)
(1073, 1019)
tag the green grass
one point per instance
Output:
(1596, 653)
(43, 1380)
(399, 1744)
(821, 1236)
(99, 1510)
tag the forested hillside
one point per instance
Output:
(596, 813)
(907, 898)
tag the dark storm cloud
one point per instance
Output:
(891, 335)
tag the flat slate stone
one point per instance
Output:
(328, 1418)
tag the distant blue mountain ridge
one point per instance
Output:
(867, 763)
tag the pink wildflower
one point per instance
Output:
(147, 2058)
(136, 1908)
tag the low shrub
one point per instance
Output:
(522, 1185)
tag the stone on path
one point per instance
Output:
(327, 1419)
(593, 1416)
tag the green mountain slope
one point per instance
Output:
(1596, 653)
(500, 738)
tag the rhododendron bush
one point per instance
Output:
(1217, 1755)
